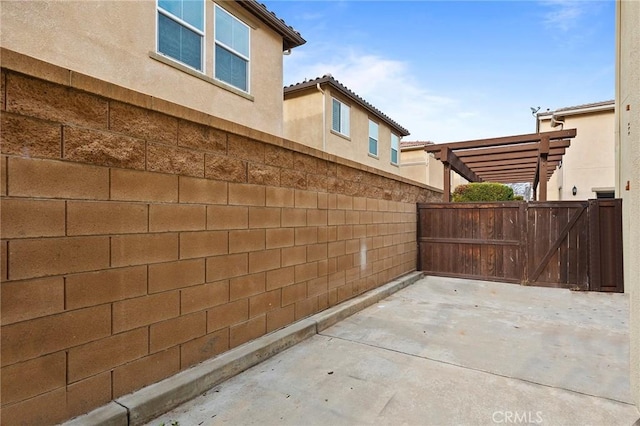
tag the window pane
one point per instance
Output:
(168, 37)
(344, 117)
(191, 48)
(224, 27)
(335, 123)
(193, 13)
(240, 38)
(373, 130)
(231, 68)
(172, 6)
(394, 141)
(232, 32)
(190, 11)
(179, 42)
(373, 146)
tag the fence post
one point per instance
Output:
(595, 273)
(524, 231)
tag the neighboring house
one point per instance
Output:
(223, 58)
(326, 115)
(589, 163)
(421, 166)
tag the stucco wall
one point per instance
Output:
(590, 160)
(303, 118)
(112, 41)
(140, 237)
(628, 140)
(414, 165)
(423, 167)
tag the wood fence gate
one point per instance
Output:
(567, 244)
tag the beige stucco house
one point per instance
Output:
(589, 163)
(421, 166)
(326, 115)
(223, 58)
(627, 155)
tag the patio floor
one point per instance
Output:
(443, 351)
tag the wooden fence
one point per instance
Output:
(568, 244)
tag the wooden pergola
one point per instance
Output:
(513, 159)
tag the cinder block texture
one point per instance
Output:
(137, 242)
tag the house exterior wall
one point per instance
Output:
(627, 132)
(421, 166)
(303, 118)
(115, 41)
(140, 237)
(414, 165)
(590, 160)
(355, 147)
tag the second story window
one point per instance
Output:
(373, 138)
(181, 31)
(395, 141)
(340, 117)
(231, 55)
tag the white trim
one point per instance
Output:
(196, 73)
(231, 49)
(377, 139)
(180, 20)
(340, 132)
(397, 149)
(202, 33)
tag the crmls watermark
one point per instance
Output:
(517, 417)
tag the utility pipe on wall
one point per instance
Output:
(324, 120)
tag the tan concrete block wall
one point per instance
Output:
(139, 240)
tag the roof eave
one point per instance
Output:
(412, 148)
(290, 37)
(582, 109)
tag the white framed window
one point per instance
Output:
(395, 142)
(373, 138)
(231, 50)
(180, 29)
(340, 117)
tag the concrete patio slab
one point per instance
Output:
(443, 351)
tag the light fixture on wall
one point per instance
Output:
(574, 191)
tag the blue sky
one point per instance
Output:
(458, 70)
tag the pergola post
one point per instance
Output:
(544, 153)
(447, 182)
(446, 177)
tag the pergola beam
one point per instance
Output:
(530, 161)
(530, 153)
(452, 162)
(516, 167)
(530, 146)
(507, 140)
